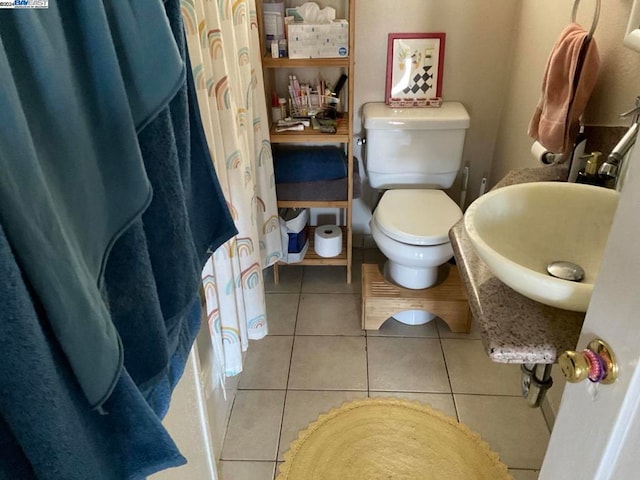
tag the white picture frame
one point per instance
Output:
(632, 36)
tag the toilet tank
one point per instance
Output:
(414, 147)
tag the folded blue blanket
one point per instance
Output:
(78, 79)
(308, 164)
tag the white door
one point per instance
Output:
(597, 432)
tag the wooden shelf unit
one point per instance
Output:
(344, 134)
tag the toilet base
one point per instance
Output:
(411, 277)
(382, 299)
(414, 317)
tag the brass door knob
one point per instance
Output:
(574, 366)
(596, 362)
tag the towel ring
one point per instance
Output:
(596, 16)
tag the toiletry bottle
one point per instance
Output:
(576, 162)
(276, 111)
(282, 104)
(589, 175)
(282, 48)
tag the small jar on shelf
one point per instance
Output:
(282, 105)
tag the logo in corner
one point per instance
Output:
(24, 3)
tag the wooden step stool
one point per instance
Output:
(447, 299)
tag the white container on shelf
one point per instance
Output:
(273, 17)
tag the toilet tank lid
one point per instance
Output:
(451, 115)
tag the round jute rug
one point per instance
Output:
(389, 438)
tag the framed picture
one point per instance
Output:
(414, 69)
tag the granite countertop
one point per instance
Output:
(514, 328)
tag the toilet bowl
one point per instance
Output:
(411, 228)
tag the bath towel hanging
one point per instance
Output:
(569, 79)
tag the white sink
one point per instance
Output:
(518, 230)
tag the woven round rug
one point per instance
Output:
(389, 438)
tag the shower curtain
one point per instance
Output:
(222, 36)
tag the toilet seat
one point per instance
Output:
(417, 217)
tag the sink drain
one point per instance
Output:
(566, 271)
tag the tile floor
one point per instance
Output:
(316, 357)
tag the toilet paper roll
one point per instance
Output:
(328, 241)
(544, 156)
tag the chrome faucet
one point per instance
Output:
(610, 169)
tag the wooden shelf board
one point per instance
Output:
(309, 135)
(269, 62)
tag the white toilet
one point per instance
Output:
(412, 154)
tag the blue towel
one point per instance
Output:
(78, 79)
(153, 275)
(47, 429)
(158, 391)
(304, 164)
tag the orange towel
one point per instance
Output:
(569, 79)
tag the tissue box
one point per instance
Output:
(321, 40)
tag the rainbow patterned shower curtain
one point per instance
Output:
(222, 36)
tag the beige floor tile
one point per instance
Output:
(290, 279)
(393, 328)
(524, 474)
(329, 314)
(471, 370)
(442, 402)
(282, 311)
(303, 407)
(328, 363)
(517, 432)
(445, 332)
(321, 279)
(266, 365)
(406, 365)
(254, 426)
(237, 470)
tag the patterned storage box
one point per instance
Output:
(327, 40)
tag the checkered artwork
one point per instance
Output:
(422, 82)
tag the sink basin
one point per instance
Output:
(518, 230)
